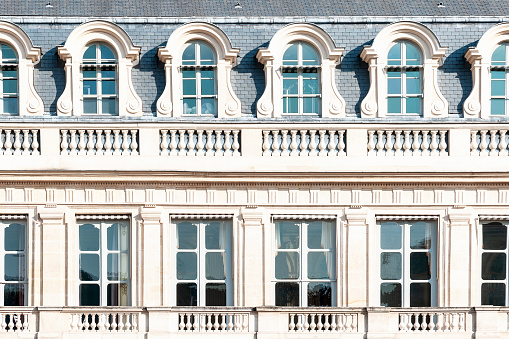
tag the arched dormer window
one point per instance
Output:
(301, 84)
(300, 64)
(199, 80)
(17, 59)
(401, 57)
(99, 70)
(198, 59)
(99, 57)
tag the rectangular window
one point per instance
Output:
(203, 263)
(494, 264)
(104, 274)
(305, 263)
(13, 272)
(407, 263)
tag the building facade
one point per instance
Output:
(254, 170)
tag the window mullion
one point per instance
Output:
(406, 268)
(103, 263)
(304, 264)
(200, 283)
(2, 257)
(198, 90)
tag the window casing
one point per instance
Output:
(99, 71)
(301, 80)
(13, 271)
(9, 104)
(304, 269)
(104, 263)
(499, 79)
(203, 267)
(407, 263)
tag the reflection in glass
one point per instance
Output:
(214, 266)
(116, 295)
(420, 295)
(15, 237)
(390, 236)
(14, 294)
(287, 235)
(215, 294)
(494, 236)
(287, 265)
(420, 235)
(89, 295)
(390, 266)
(287, 294)
(14, 266)
(494, 266)
(186, 266)
(420, 266)
(390, 294)
(117, 269)
(186, 294)
(493, 294)
(212, 236)
(319, 294)
(89, 267)
(317, 266)
(89, 237)
(117, 237)
(186, 235)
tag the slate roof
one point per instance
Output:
(253, 8)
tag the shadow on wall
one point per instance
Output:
(352, 63)
(150, 65)
(51, 61)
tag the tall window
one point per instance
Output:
(404, 79)
(499, 80)
(199, 80)
(408, 264)
(104, 275)
(301, 83)
(99, 80)
(203, 269)
(13, 275)
(9, 79)
(304, 263)
(494, 264)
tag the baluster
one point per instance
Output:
(72, 145)
(227, 143)
(432, 318)
(354, 322)
(89, 149)
(303, 143)
(425, 143)
(209, 145)
(230, 321)
(236, 144)
(128, 322)
(182, 142)
(416, 144)
(284, 142)
(389, 144)
(349, 320)
(81, 144)
(341, 143)
(134, 322)
(19, 325)
(80, 321)
(397, 143)
(293, 144)
(190, 143)
(266, 143)
(3, 322)
(64, 144)
(312, 325)
(237, 322)
(409, 324)
(443, 144)
(455, 321)
(434, 144)
(440, 322)
(406, 144)
(322, 144)
(326, 325)
(116, 141)
(35, 142)
(114, 324)
(473, 142)
(402, 322)
(223, 322)
(99, 144)
(209, 321)
(85, 322)
(203, 321)
(502, 145)
(10, 325)
(73, 325)
(416, 321)
(275, 143)
(8, 142)
(216, 321)
(341, 322)
(184, 319)
(121, 322)
(493, 142)
(218, 146)
(299, 322)
(461, 322)
(173, 142)
(199, 144)
(447, 322)
(484, 144)
(107, 142)
(17, 142)
(312, 142)
(371, 143)
(93, 324)
(305, 325)
(319, 324)
(380, 143)
(125, 142)
(333, 325)
(134, 142)
(291, 325)
(424, 324)
(332, 143)
(245, 322)
(101, 325)
(26, 143)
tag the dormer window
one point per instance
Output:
(499, 80)
(9, 78)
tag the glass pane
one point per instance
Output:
(117, 235)
(106, 53)
(395, 54)
(394, 85)
(189, 55)
(89, 87)
(88, 74)
(186, 266)
(287, 294)
(309, 55)
(287, 265)
(320, 235)
(394, 105)
(319, 294)
(14, 294)
(206, 55)
(498, 57)
(90, 52)
(208, 106)
(10, 105)
(189, 86)
(117, 295)
(109, 106)
(497, 75)
(412, 54)
(89, 295)
(290, 56)
(109, 87)
(287, 235)
(90, 106)
(15, 237)
(420, 266)
(207, 86)
(214, 266)
(189, 106)
(186, 235)
(215, 294)
(14, 267)
(320, 265)
(493, 266)
(10, 72)
(108, 73)
(390, 266)
(89, 237)
(186, 294)
(497, 88)
(212, 235)
(118, 270)
(310, 83)
(413, 85)
(497, 106)
(390, 236)
(8, 53)
(290, 105)
(390, 294)
(89, 267)
(493, 294)
(420, 235)
(310, 105)
(413, 105)
(290, 83)
(494, 236)
(10, 86)
(420, 295)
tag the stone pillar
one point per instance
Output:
(252, 256)
(151, 259)
(53, 240)
(356, 257)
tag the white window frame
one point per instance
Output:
(303, 251)
(505, 69)
(9, 95)
(4, 223)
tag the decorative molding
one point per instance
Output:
(149, 195)
(110, 195)
(458, 197)
(170, 196)
(50, 195)
(190, 196)
(335, 196)
(376, 196)
(418, 196)
(314, 196)
(129, 195)
(9, 194)
(89, 195)
(304, 216)
(251, 196)
(272, 196)
(438, 196)
(396, 196)
(69, 195)
(356, 197)
(293, 196)
(503, 196)
(481, 196)
(211, 196)
(406, 217)
(29, 194)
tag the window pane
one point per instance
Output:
(10, 72)
(497, 106)
(212, 235)
(319, 294)
(287, 294)
(15, 237)
(90, 106)
(413, 105)
(394, 85)
(186, 235)
(493, 266)
(118, 237)
(89, 87)
(215, 294)
(420, 235)
(420, 295)
(186, 266)
(390, 266)
(8, 53)
(309, 55)
(290, 105)
(498, 57)
(290, 56)
(89, 74)
(394, 105)
(109, 87)
(106, 53)
(89, 237)
(10, 86)
(287, 265)
(497, 75)
(189, 54)
(208, 106)
(494, 236)
(493, 294)
(10, 105)
(320, 265)
(287, 235)
(320, 235)
(310, 105)
(117, 295)
(207, 86)
(189, 106)
(108, 73)
(390, 294)
(412, 54)
(390, 236)
(310, 83)
(206, 55)
(186, 294)
(118, 270)
(395, 54)
(14, 294)
(109, 106)
(89, 295)
(189, 87)
(420, 266)
(89, 267)
(90, 52)
(290, 83)
(413, 85)
(497, 88)
(214, 266)
(14, 265)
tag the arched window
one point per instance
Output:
(99, 71)
(199, 94)
(499, 77)
(301, 83)
(404, 79)
(9, 79)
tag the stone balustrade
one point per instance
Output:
(99, 142)
(323, 322)
(408, 142)
(104, 321)
(230, 321)
(424, 320)
(200, 142)
(303, 142)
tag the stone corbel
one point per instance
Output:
(472, 105)
(65, 102)
(369, 107)
(264, 106)
(33, 102)
(232, 102)
(439, 105)
(133, 104)
(336, 107)
(164, 103)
